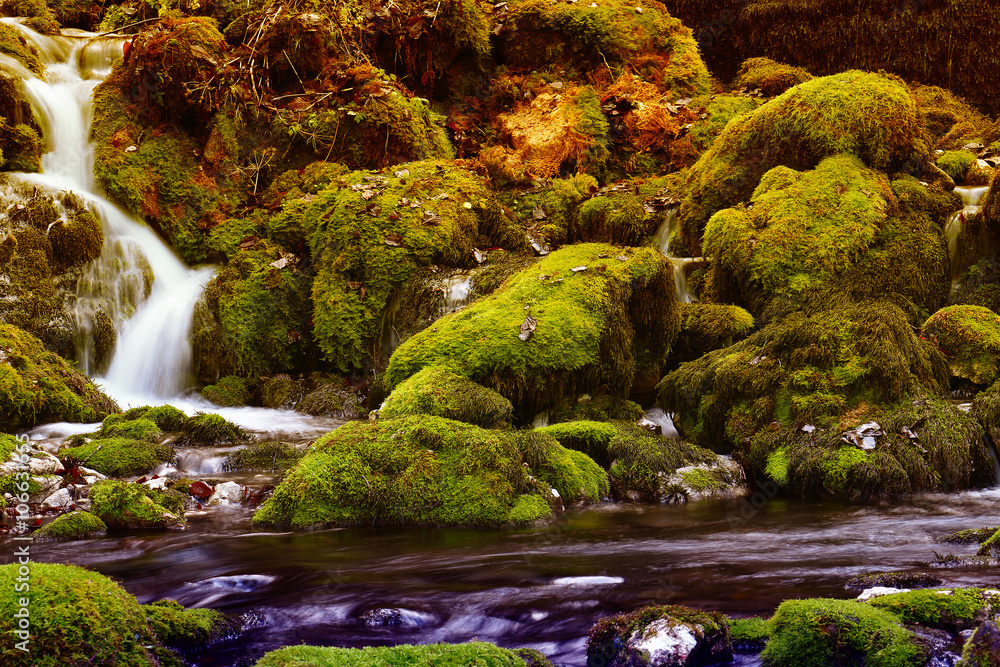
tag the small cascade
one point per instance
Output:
(681, 264)
(971, 196)
(137, 284)
(457, 292)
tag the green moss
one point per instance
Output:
(12, 485)
(435, 391)
(167, 417)
(641, 462)
(817, 633)
(589, 437)
(120, 456)
(956, 163)
(970, 338)
(229, 391)
(127, 505)
(262, 456)
(208, 430)
(749, 635)
(438, 655)
(572, 473)
(982, 648)
(708, 326)
(799, 369)
(769, 77)
(972, 535)
(417, 470)
(22, 148)
(594, 326)
(87, 618)
(17, 47)
(946, 609)
(869, 115)
(776, 466)
(132, 429)
(185, 630)
(37, 386)
(720, 109)
(73, 526)
(948, 119)
(891, 580)
(607, 637)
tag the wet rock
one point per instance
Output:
(661, 636)
(227, 493)
(983, 648)
(61, 498)
(394, 617)
(158, 483)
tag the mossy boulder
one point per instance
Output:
(970, 338)
(37, 386)
(82, 617)
(369, 232)
(136, 428)
(586, 315)
(805, 367)
(125, 505)
(817, 633)
(21, 148)
(331, 397)
(870, 115)
(436, 655)
(436, 391)
(923, 445)
(631, 638)
(956, 164)
(949, 120)
(951, 609)
(416, 470)
(73, 526)
(186, 630)
(768, 77)
(804, 235)
(119, 456)
(229, 391)
(573, 474)
(263, 456)
(593, 438)
(13, 44)
(210, 430)
(749, 635)
(983, 647)
(709, 326)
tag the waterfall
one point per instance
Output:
(145, 291)
(680, 264)
(971, 196)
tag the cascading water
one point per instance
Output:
(680, 264)
(142, 287)
(971, 196)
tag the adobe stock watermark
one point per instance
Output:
(22, 552)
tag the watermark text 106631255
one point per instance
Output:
(22, 548)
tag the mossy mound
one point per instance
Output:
(127, 505)
(262, 456)
(165, 417)
(708, 326)
(869, 115)
(73, 526)
(435, 391)
(368, 232)
(332, 397)
(593, 438)
(416, 470)
(37, 386)
(436, 655)
(805, 367)
(926, 445)
(119, 456)
(768, 77)
(951, 609)
(229, 391)
(817, 633)
(573, 474)
(956, 164)
(970, 338)
(803, 233)
(612, 640)
(85, 618)
(585, 315)
(136, 428)
(715, 112)
(594, 38)
(13, 44)
(949, 120)
(20, 148)
(749, 635)
(185, 630)
(208, 430)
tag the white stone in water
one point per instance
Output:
(160, 483)
(61, 498)
(879, 591)
(666, 642)
(41, 463)
(595, 580)
(227, 493)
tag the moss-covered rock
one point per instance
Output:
(262, 456)
(949, 120)
(593, 438)
(436, 655)
(970, 338)
(572, 474)
(185, 630)
(21, 147)
(332, 397)
(951, 609)
(119, 456)
(802, 231)
(436, 391)
(127, 505)
(924, 445)
(708, 326)
(621, 640)
(956, 164)
(805, 367)
(73, 526)
(749, 635)
(13, 44)
(166, 417)
(210, 430)
(416, 470)
(37, 386)
(768, 77)
(872, 116)
(585, 315)
(983, 647)
(137, 428)
(83, 616)
(229, 391)
(817, 633)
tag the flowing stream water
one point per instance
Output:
(681, 264)
(541, 588)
